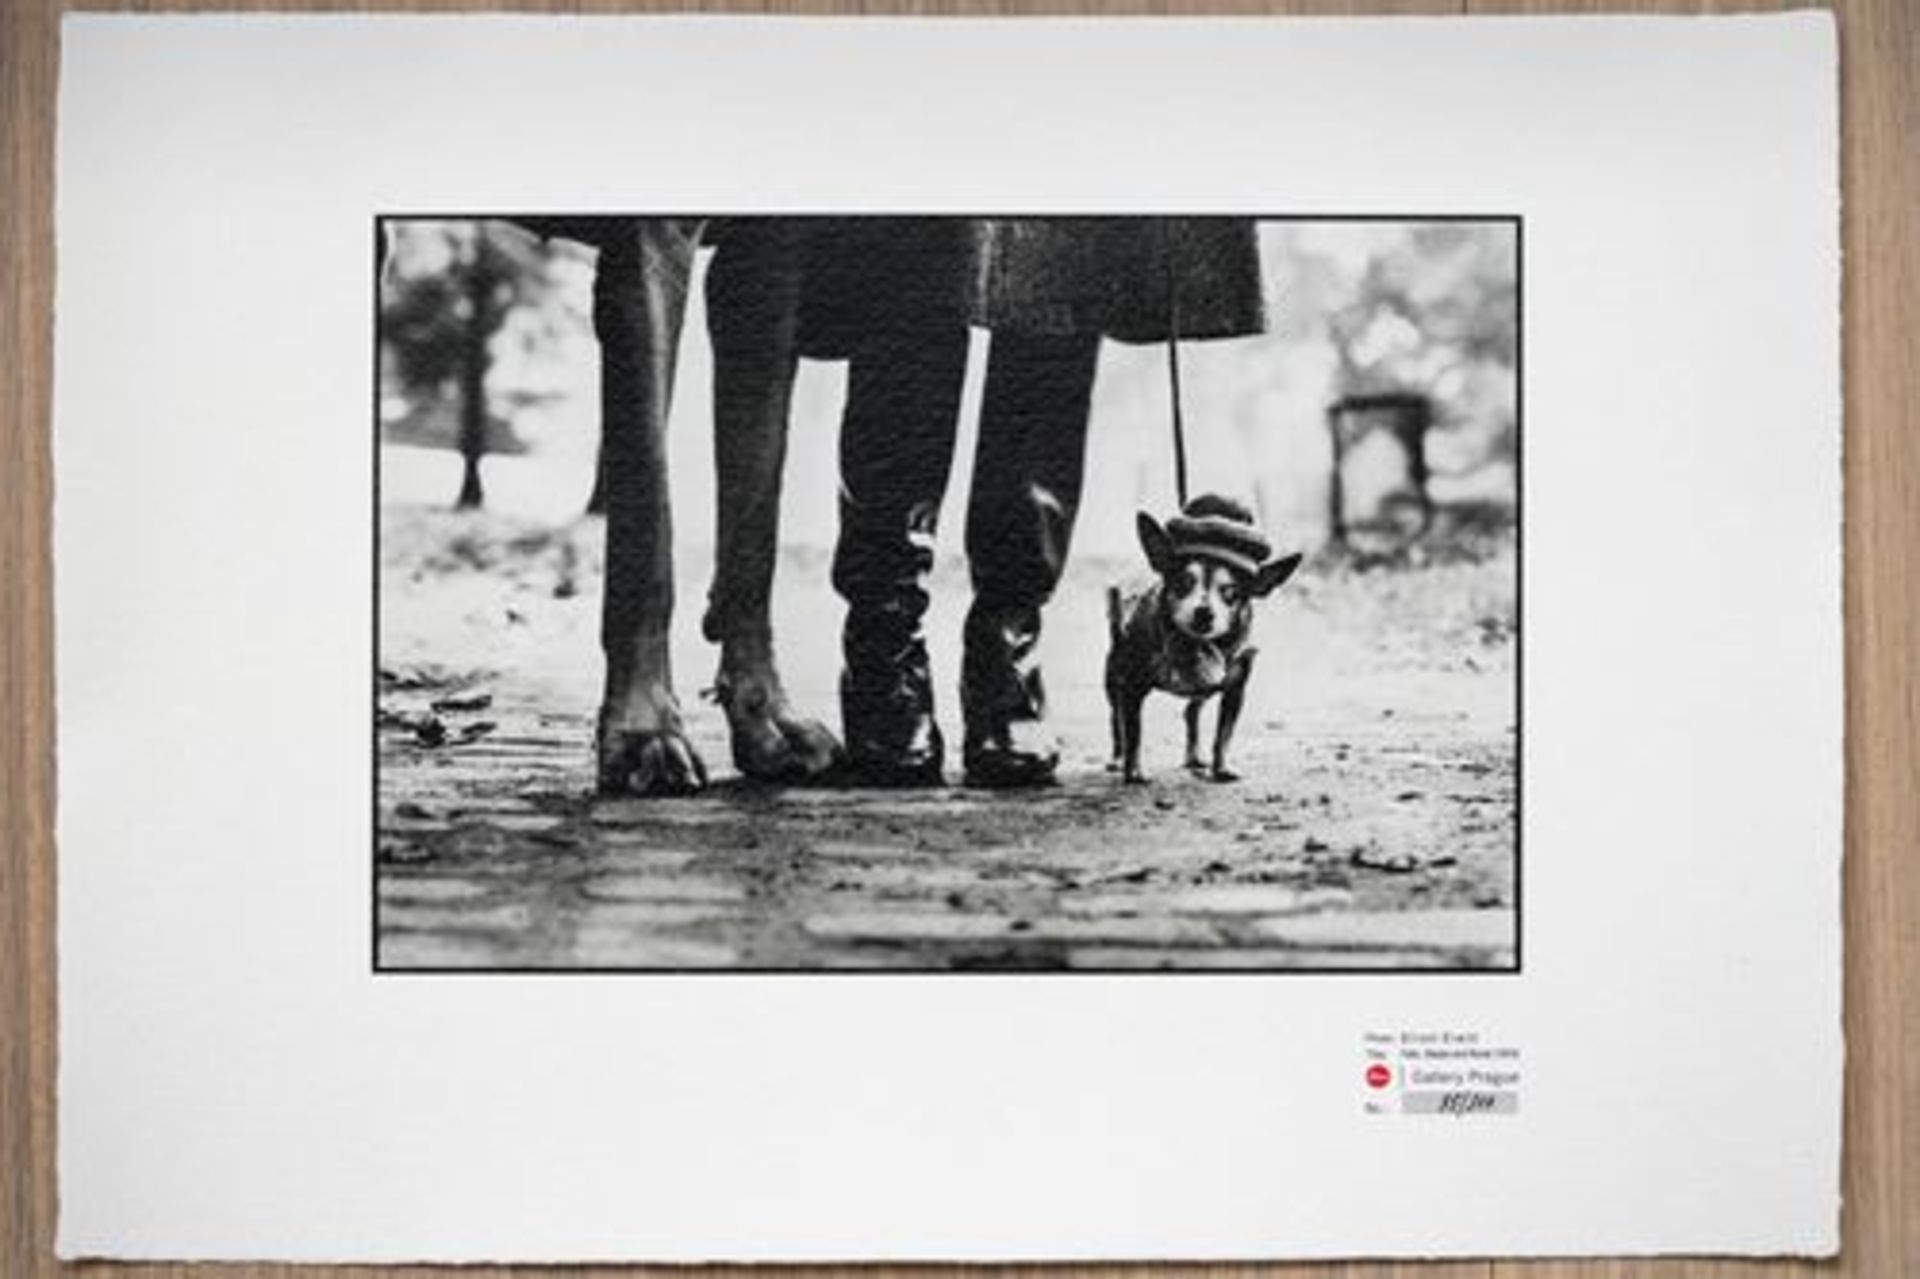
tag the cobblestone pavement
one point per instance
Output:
(1374, 828)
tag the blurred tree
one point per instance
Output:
(1418, 322)
(448, 290)
(1439, 299)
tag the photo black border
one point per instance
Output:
(1518, 966)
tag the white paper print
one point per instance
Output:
(246, 1074)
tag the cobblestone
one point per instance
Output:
(422, 891)
(507, 919)
(655, 888)
(1417, 929)
(1243, 959)
(616, 946)
(641, 919)
(910, 926)
(438, 948)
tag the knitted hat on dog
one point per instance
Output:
(1219, 529)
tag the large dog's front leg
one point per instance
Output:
(753, 306)
(640, 295)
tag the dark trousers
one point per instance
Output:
(896, 453)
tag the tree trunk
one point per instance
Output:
(473, 396)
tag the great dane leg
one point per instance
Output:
(640, 295)
(753, 304)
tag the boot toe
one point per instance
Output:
(1022, 754)
(912, 758)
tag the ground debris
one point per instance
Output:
(408, 679)
(1370, 857)
(1140, 876)
(425, 727)
(401, 852)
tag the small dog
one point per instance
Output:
(1188, 631)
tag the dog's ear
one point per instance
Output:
(1269, 577)
(1155, 542)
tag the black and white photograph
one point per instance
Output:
(939, 593)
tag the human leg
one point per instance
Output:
(1020, 516)
(896, 453)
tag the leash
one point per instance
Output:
(1173, 364)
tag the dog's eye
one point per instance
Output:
(1186, 581)
(1229, 592)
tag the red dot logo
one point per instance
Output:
(1378, 1076)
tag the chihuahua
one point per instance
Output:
(1188, 631)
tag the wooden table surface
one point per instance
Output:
(1880, 58)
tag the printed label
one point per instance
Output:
(1451, 1073)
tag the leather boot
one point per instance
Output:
(1008, 743)
(886, 698)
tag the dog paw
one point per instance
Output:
(1134, 777)
(649, 764)
(815, 749)
(1197, 768)
(770, 743)
(785, 749)
(1221, 773)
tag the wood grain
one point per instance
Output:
(1880, 42)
